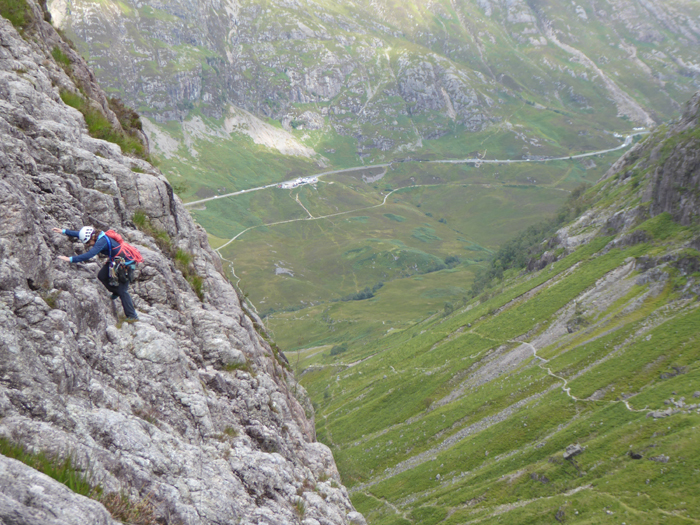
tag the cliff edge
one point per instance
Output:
(189, 408)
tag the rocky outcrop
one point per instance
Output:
(675, 184)
(661, 174)
(189, 408)
(666, 168)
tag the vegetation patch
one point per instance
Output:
(184, 263)
(63, 470)
(245, 367)
(183, 259)
(61, 58)
(367, 293)
(17, 12)
(99, 126)
(661, 227)
(425, 234)
(339, 349)
(528, 244)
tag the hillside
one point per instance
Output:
(554, 382)
(566, 394)
(187, 416)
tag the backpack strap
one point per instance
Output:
(110, 246)
(109, 243)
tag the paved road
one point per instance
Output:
(628, 141)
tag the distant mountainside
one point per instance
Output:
(566, 393)
(376, 79)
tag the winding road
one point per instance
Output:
(477, 161)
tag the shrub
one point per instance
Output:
(449, 308)
(143, 223)
(123, 509)
(367, 293)
(232, 367)
(139, 219)
(74, 100)
(300, 507)
(339, 349)
(231, 432)
(61, 58)
(183, 259)
(128, 118)
(451, 261)
(50, 298)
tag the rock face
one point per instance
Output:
(670, 163)
(676, 183)
(27, 496)
(189, 407)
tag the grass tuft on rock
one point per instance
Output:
(61, 469)
(61, 58)
(184, 260)
(17, 12)
(99, 126)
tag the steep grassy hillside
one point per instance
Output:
(568, 394)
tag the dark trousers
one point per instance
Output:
(122, 291)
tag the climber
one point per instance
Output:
(99, 243)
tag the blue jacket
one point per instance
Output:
(102, 245)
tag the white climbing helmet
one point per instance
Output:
(85, 233)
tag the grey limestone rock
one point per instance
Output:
(28, 497)
(150, 408)
(573, 451)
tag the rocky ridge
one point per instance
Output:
(190, 407)
(665, 167)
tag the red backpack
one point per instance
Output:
(125, 250)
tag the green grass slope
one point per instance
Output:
(570, 394)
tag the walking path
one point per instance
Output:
(311, 217)
(564, 387)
